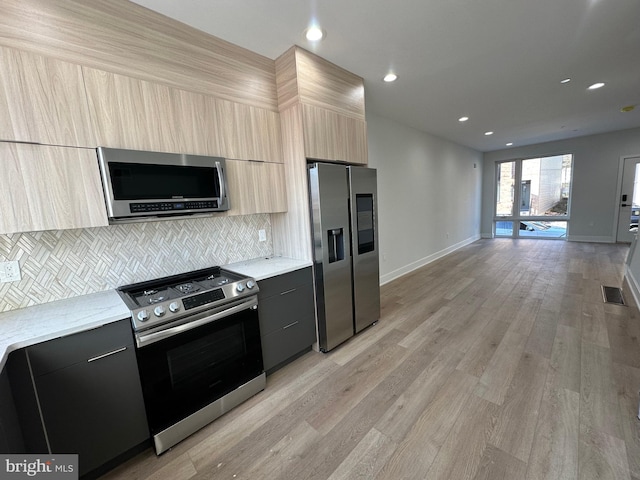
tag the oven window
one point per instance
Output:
(188, 371)
(198, 362)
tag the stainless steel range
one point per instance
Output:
(158, 305)
(198, 348)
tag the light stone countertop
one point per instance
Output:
(39, 323)
(266, 267)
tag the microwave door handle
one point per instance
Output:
(223, 191)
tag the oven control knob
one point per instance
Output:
(159, 311)
(240, 287)
(143, 315)
(251, 284)
(174, 307)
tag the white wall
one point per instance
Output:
(429, 194)
(596, 160)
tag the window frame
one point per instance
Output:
(515, 216)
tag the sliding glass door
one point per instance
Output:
(533, 197)
(505, 198)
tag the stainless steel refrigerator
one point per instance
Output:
(345, 244)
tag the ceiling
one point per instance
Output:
(498, 62)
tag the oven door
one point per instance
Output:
(195, 366)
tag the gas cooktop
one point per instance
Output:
(159, 301)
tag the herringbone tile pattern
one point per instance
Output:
(66, 263)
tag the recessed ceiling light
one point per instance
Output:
(314, 34)
(595, 86)
(390, 77)
(463, 119)
(627, 109)
(566, 80)
(488, 133)
(509, 144)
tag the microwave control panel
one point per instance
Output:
(171, 206)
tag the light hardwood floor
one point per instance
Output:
(499, 361)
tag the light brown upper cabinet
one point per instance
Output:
(138, 115)
(334, 126)
(331, 136)
(123, 37)
(256, 187)
(246, 132)
(142, 115)
(42, 100)
(49, 188)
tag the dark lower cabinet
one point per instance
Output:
(10, 432)
(287, 318)
(88, 390)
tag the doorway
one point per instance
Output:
(539, 208)
(629, 200)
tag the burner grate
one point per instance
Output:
(197, 285)
(186, 288)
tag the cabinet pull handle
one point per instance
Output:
(106, 354)
(291, 325)
(288, 291)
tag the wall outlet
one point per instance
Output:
(10, 271)
(262, 235)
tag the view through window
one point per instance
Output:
(533, 197)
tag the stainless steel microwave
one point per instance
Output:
(140, 184)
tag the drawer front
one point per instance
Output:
(280, 345)
(65, 351)
(278, 311)
(94, 409)
(282, 283)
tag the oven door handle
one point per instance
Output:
(144, 339)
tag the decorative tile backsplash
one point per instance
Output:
(66, 263)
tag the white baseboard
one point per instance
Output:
(585, 238)
(388, 277)
(633, 284)
(571, 238)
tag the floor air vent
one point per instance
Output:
(612, 295)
